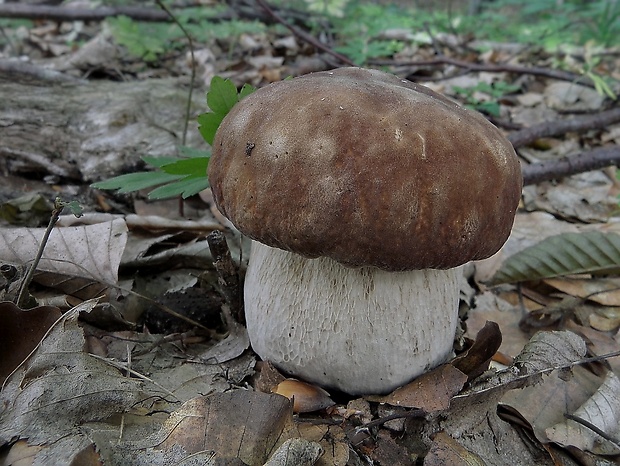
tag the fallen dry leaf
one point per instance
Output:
(445, 450)
(333, 440)
(430, 392)
(21, 332)
(477, 358)
(389, 452)
(543, 405)
(567, 96)
(495, 308)
(59, 389)
(472, 418)
(81, 260)
(605, 291)
(295, 452)
(602, 410)
(240, 424)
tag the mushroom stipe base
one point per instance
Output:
(357, 330)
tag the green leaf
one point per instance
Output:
(221, 98)
(222, 95)
(187, 151)
(491, 108)
(246, 90)
(209, 123)
(159, 161)
(75, 208)
(186, 187)
(196, 166)
(566, 254)
(135, 181)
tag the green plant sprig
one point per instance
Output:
(186, 175)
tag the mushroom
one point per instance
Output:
(363, 193)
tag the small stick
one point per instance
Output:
(228, 274)
(557, 128)
(23, 290)
(499, 68)
(593, 428)
(555, 169)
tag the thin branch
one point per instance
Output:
(192, 81)
(303, 35)
(593, 428)
(556, 128)
(556, 169)
(500, 68)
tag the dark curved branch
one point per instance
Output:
(551, 170)
(303, 35)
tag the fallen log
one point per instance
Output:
(92, 130)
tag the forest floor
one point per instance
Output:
(129, 352)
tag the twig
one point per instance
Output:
(192, 80)
(593, 428)
(555, 128)
(126, 368)
(414, 413)
(551, 170)
(501, 68)
(60, 13)
(526, 377)
(303, 34)
(23, 289)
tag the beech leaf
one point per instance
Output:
(566, 254)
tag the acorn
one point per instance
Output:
(306, 397)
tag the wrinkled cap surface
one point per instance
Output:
(367, 169)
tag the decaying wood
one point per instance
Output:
(20, 69)
(91, 131)
(94, 130)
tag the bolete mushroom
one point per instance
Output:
(363, 193)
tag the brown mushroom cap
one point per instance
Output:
(367, 169)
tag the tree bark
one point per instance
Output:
(94, 130)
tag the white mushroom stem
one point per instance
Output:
(361, 331)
